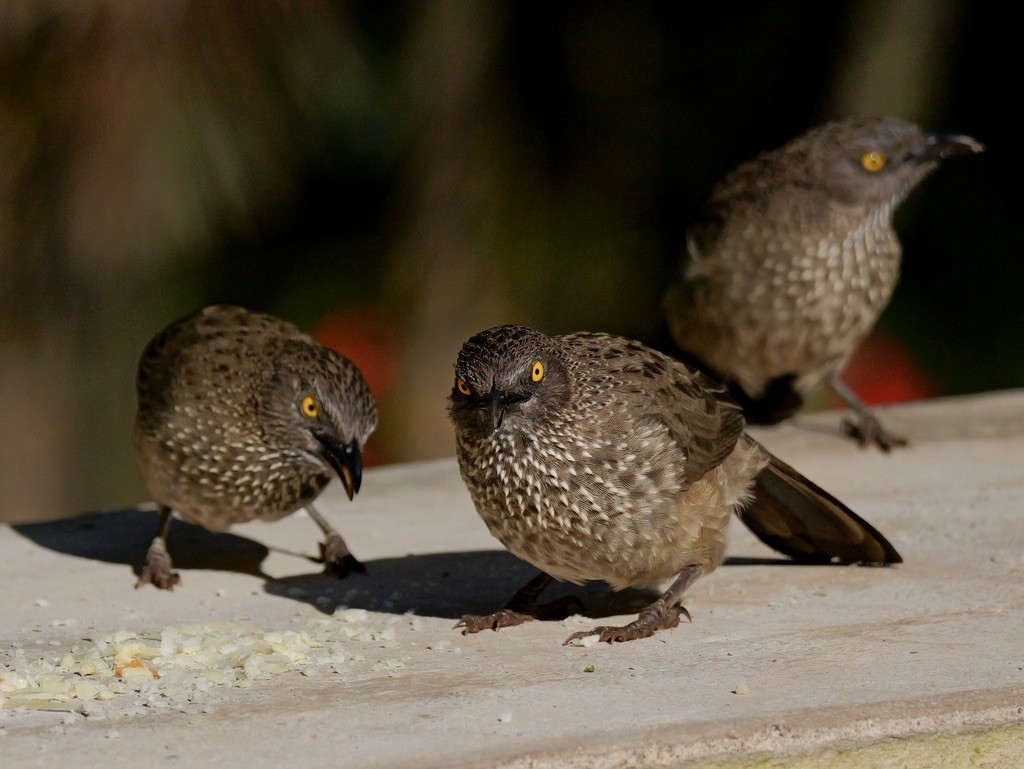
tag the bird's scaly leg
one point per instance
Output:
(334, 553)
(522, 607)
(866, 429)
(663, 614)
(157, 570)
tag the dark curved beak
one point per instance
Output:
(345, 458)
(500, 403)
(942, 146)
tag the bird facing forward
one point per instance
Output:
(241, 417)
(593, 457)
(792, 260)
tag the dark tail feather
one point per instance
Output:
(800, 519)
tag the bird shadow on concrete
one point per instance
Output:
(457, 583)
(123, 536)
(445, 585)
(432, 584)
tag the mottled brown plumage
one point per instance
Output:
(794, 257)
(242, 416)
(593, 457)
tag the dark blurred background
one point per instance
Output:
(394, 177)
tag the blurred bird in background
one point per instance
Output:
(394, 178)
(793, 259)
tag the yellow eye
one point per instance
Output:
(872, 162)
(309, 407)
(463, 387)
(538, 372)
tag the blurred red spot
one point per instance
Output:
(883, 370)
(365, 336)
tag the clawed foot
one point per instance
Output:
(558, 609)
(337, 559)
(867, 431)
(159, 578)
(643, 627)
(474, 623)
(158, 571)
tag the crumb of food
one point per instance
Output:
(184, 667)
(133, 670)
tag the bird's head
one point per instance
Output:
(318, 401)
(877, 160)
(506, 378)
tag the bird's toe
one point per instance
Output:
(868, 431)
(474, 623)
(162, 579)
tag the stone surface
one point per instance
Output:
(779, 659)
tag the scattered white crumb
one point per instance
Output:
(505, 718)
(221, 593)
(440, 645)
(386, 665)
(741, 689)
(186, 668)
(351, 615)
(41, 602)
(1005, 558)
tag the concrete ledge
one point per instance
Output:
(779, 660)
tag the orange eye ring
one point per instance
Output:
(538, 372)
(309, 407)
(462, 387)
(873, 162)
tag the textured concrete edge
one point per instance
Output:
(792, 734)
(994, 746)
